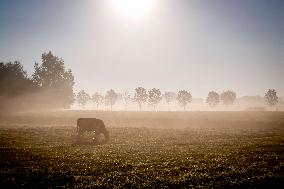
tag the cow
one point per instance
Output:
(91, 124)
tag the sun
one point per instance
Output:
(133, 9)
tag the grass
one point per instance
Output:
(191, 150)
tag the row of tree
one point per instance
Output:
(154, 96)
(51, 86)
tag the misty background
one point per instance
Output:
(193, 45)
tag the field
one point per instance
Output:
(146, 150)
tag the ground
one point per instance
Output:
(146, 150)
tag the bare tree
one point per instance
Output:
(170, 97)
(111, 98)
(184, 97)
(97, 99)
(140, 96)
(213, 99)
(83, 98)
(271, 97)
(126, 99)
(228, 97)
(155, 96)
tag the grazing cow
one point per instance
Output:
(91, 124)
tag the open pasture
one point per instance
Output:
(146, 150)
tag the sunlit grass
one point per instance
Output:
(143, 157)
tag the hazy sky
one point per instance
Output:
(197, 45)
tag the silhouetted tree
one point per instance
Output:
(126, 99)
(97, 99)
(14, 80)
(271, 97)
(111, 98)
(52, 77)
(14, 83)
(140, 96)
(155, 96)
(228, 97)
(213, 99)
(83, 98)
(184, 97)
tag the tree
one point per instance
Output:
(97, 99)
(213, 99)
(271, 97)
(52, 78)
(126, 99)
(140, 96)
(170, 97)
(83, 98)
(228, 97)
(14, 84)
(184, 97)
(111, 98)
(155, 96)
(14, 80)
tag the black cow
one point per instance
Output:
(91, 124)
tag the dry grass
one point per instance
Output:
(161, 149)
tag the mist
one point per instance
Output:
(141, 94)
(193, 45)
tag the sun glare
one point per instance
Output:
(133, 9)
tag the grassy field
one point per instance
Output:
(146, 150)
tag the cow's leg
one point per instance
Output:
(106, 134)
(80, 132)
(96, 137)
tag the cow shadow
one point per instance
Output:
(85, 143)
(88, 142)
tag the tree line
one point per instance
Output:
(51, 87)
(154, 96)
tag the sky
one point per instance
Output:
(196, 45)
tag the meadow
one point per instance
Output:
(146, 150)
